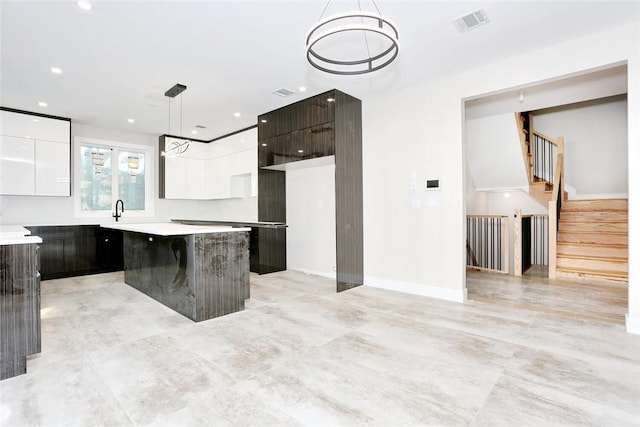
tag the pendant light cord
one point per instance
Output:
(364, 33)
(324, 10)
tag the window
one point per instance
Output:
(107, 171)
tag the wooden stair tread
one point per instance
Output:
(595, 204)
(577, 221)
(594, 244)
(585, 272)
(618, 260)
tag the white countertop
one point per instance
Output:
(16, 235)
(173, 229)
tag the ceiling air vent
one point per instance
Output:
(283, 92)
(471, 20)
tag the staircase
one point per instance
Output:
(593, 239)
(539, 153)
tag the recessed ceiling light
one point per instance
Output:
(56, 70)
(131, 120)
(302, 88)
(263, 121)
(84, 4)
(194, 132)
(36, 120)
(330, 99)
(300, 151)
(264, 145)
(236, 114)
(42, 104)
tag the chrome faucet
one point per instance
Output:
(116, 215)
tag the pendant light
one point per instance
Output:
(329, 39)
(176, 147)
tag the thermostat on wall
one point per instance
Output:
(432, 184)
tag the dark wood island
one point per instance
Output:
(201, 272)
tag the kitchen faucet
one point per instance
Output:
(116, 215)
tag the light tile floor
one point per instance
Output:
(302, 355)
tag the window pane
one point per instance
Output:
(95, 184)
(131, 179)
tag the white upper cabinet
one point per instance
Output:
(52, 168)
(34, 127)
(222, 169)
(35, 155)
(17, 165)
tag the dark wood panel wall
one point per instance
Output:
(323, 125)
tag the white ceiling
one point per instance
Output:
(119, 58)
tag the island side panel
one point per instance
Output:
(19, 307)
(162, 267)
(221, 273)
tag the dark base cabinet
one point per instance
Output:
(77, 250)
(19, 307)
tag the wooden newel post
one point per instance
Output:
(517, 244)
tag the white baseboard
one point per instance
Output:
(456, 295)
(328, 275)
(633, 324)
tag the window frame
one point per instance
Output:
(116, 147)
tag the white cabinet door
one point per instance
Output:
(175, 177)
(196, 184)
(34, 127)
(53, 168)
(17, 169)
(220, 181)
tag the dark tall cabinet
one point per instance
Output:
(329, 124)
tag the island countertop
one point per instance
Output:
(172, 228)
(257, 224)
(16, 235)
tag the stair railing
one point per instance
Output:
(555, 206)
(539, 151)
(544, 152)
(488, 243)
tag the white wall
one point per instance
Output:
(311, 220)
(32, 210)
(494, 153)
(421, 249)
(595, 138)
(476, 201)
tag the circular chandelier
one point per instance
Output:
(327, 40)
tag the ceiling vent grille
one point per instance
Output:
(471, 20)
(283, 92)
